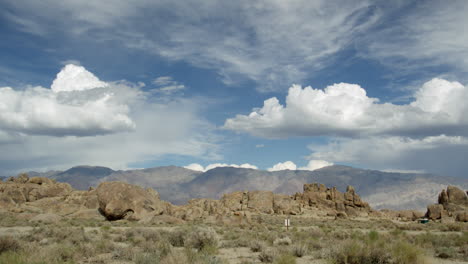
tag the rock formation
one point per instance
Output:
(38, 195)
(452, 204)
(43, 199)
(119, 200)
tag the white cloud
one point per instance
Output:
(198, 167)
(195, 167)
(76, 78)
(74, 106)
(433, 34)
(163, 80)
(167, 85)
(115, 126)
(246, 49)
(316, 164)
(345, 110)
(442, 154)
(287, 165)
(259, 146)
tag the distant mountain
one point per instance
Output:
(175, 184)
(166, 180)
(82, 177)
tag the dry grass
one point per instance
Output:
(266, 240)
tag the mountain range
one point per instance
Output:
(391, 190)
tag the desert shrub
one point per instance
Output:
(406, 253)
(267, 256)
(177, 238)
(256, 246)
(176, 257)
(357, 252)
(282, 241)
(285, 259)
(8, 243)
(124, 253)
(446, 252)
(454, 227)
(104, 246)
(146, 258)
(373, 235)
(379, 251)
(299, 250)
(202, 239)
(12, 258)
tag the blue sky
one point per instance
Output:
(152, 83)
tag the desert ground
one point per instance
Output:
(263, 240)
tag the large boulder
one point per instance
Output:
(435, 211)
(456, 196)
(119, 200)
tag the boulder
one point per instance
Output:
(435, 211)
(456, 196)
(119, 200)
(443, 197)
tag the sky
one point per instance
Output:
(257, 84)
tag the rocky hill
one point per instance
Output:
(390, 190)
(43, 198)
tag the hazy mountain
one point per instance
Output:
(82, 177)
(166, 180)
(175, 184)
(380, 189)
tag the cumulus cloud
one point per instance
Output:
(345, 110)
(287, 165)
(311, 165)
(116, 125)
(78, 104)
(316, 164)
(198, 167)
(76, 78)
(195, 167)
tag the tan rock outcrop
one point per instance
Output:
(260, 201)
(452, 205)
(119, 200)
